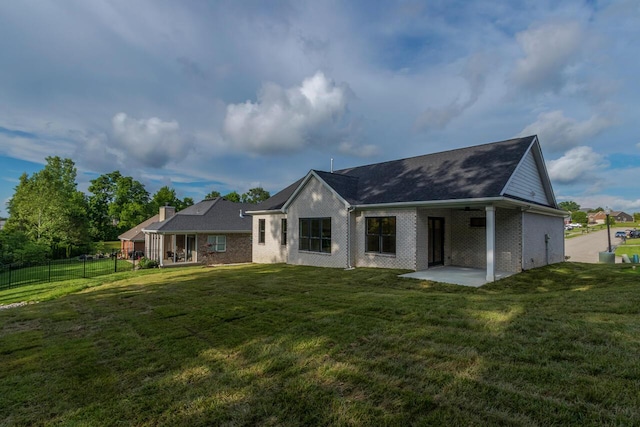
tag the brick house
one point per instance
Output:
(600, 217)
(489, 206)
(214, 231)
(133, 240)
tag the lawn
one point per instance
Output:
(290, 345)
(630, 247)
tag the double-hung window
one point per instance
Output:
(261, 228)
(217, 243)
(315, 235)
(381, 235)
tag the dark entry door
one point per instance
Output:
(436, 241)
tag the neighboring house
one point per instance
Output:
(489, 206)
(600, 217)
(133, 240)
(214, 231)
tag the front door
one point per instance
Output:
(436, 241)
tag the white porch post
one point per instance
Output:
(491, 243)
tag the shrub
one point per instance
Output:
(147, 263)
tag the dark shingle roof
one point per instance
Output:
(209, 215)
(466, 173)
(135, 234)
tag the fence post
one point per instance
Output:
(49, 270)
(9, 274)
(115, 262)
(84, 267)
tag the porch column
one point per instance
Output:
(491, 243)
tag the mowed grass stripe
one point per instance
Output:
(289, 345)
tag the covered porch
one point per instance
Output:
(173, 249)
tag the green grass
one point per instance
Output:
(289, 345)
(630, 247)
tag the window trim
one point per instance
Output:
(261, 230)
(380, 235)
(324, 244)
(213, 247)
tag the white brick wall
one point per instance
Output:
(535, 227)
(271, 251)
(405, 256)
(508, 240)
(317, 201)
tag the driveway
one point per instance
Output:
(585, 248)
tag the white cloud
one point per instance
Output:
(287, 119)
(558, 132)
(152, 142)
(549, 50)
(577, 165)
(614, 202)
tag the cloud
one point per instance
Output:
(353, 149)
(549, 50)
(288, 119)
(576, 165)
(474, 73)
(152, 142)
(558, 132)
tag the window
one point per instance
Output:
(217, 243)
(261, 228)
(478, 222)
(315, 235)
(283, 232)
(381, 235)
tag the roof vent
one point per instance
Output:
(241, 214)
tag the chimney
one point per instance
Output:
(166, 212)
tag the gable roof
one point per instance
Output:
(211, 215)
(477, 172)
(135, 234)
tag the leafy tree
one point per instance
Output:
(569, 205)
(48, 208)
(117, 204)
(255, 195)
(598, 209)
(636, 216)
(233, 197)
(212, 195)
(166, 196)
(579, 217)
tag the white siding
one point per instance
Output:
(271, 251)
(315, 200)
(534, 249)
(526, 183)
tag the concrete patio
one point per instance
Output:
(464, 276)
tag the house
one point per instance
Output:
(133, 240)
(489, 206)
(214, 231)
(600, 217)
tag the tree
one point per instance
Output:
(598, 209)
(166, 196)
(255, 195)
(636, 216)
(48, 208)
(212, 195)
(569, 205)
(233, 197)
(117, 204)
(579, 217)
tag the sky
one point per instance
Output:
(228, 95)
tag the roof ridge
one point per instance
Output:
(436, 152)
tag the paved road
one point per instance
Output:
(585, 247)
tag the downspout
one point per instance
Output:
(349, 210)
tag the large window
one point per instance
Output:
(217, 243)
(315, 235)
(381, 235)
(283, 231)
(261, 228)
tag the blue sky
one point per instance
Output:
(230, 95)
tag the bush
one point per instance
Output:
(147, 263)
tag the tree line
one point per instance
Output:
(49, 216)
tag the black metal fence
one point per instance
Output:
(21, 274)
